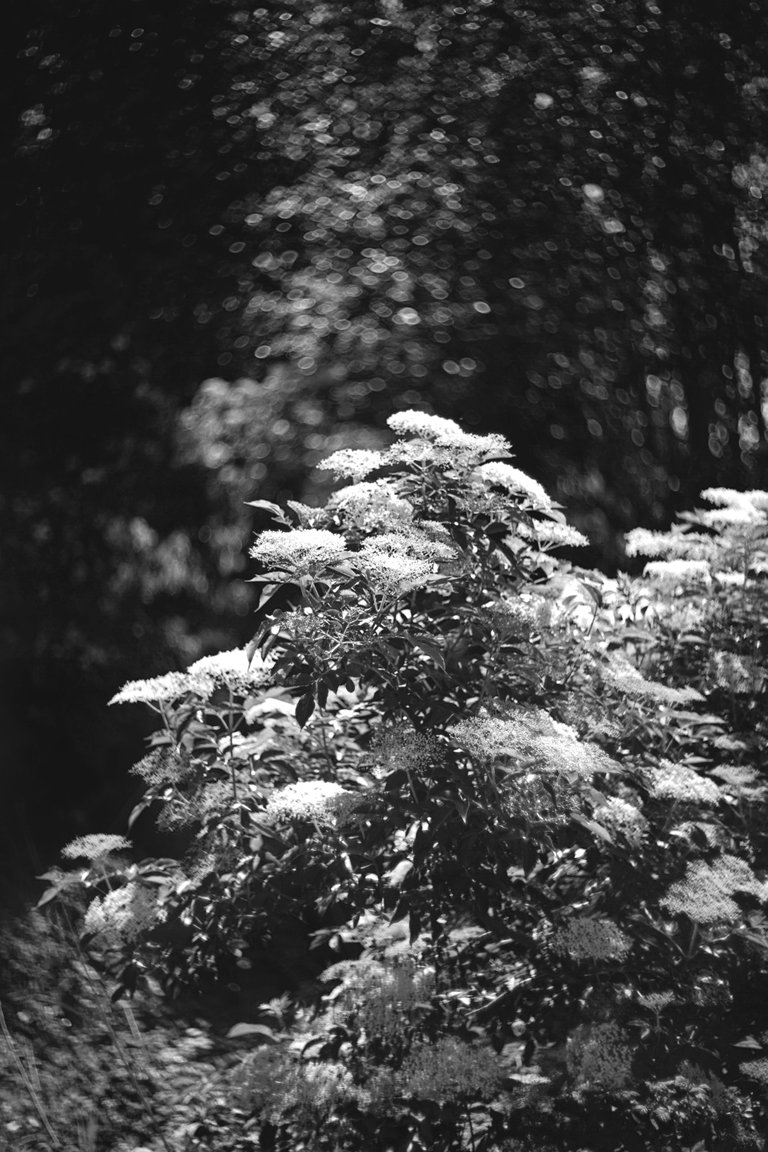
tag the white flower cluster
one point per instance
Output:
(740, 778)
(756, 1070)
(232, 670)
(352, 463)
(371, 507)
(122, 914)
(656, 1002)
(516, 617)
(600, 1057)
(163, 766)
(675, 545)
(380, 997)
(584, 938)
(318, 1088)
(94, 847)
(400, 746)
(515, 482)
(550, 534)
(735, 673)
(620, 816)
(731, 498)
(705, 894)
(443, 433)
(318, 801)
(394, 562)
(532, 737)
(678, 571)
(449, 1068)
(679, 782)
(619, 673)
(301, 551)
(162, 689)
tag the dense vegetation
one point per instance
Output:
(238, 238)
(475, 842)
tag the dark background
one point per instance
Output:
(236, 239)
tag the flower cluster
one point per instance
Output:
(519, 617)
(393, 562)
(370, 507)
(515, 482)
(300, 551)
(164, 689)
(318, 801)
(740, 778)
(620, 674)
(705, 894)
(756, 1070)
(94, 847)
(163, 766)
(352, 463)
(232, 670)
(444, 434)
(399, 746)
(735, 673)
(675, 545)
(584, 938)
(600, 1057)
(379, 997)
(620, 816)
(449, 1068)
(681, 783)
(531, 737)
(678, 571)
(123, 914)
(551, 534)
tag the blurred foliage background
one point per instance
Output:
(238, 238)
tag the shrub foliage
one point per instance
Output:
(492, 824)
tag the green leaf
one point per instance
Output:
(304, 708)
(239, 1031)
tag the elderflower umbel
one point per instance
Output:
(739, 778)
(301, 550)
(738, 674)
(232, 670)
(162, 689)
(514, 481)
(551, 534)
(678, 571)
(400, 746)
(447, 1068)
(122, 914)
(94, 847)
(371, 506)
(599, 1056)
(319, 801)
(584, 939)
(705, 894)
(619, 816)
(670, 545)
(679, 782)
(380, 997)
(352, 463)
(444, 433)
(397, 561)
(530, 735)
(625, 677)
